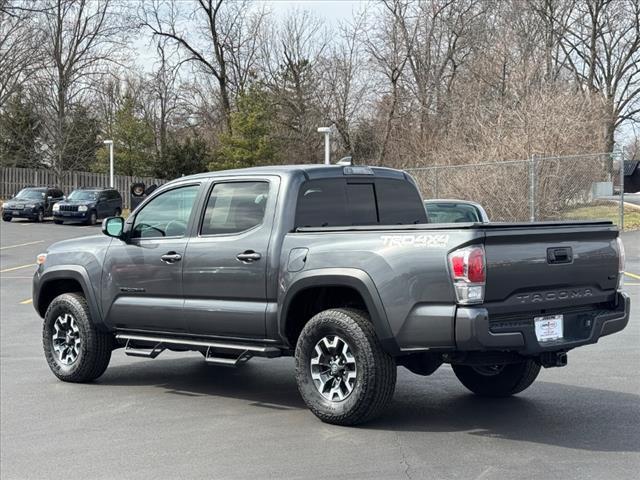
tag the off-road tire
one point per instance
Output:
(96, 346)
(512, 379)
(376, 369)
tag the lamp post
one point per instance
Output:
(327, 133)
(110, 143)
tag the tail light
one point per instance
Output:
(468, 272)
(621, 261)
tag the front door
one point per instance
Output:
(225, 267)
(102, 205)
(142, 276)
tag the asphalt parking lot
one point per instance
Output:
(177, 417)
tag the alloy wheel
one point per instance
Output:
(333, 368)
(66, 339)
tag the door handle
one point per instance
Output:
(171, 257)
(249, 256)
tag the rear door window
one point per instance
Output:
(235, 207)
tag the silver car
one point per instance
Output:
(455, 211)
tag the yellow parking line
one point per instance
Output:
(17, 268)
(26, 302)
(632, 275)
(626, 284)
(21, 245)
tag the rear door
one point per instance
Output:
(543, 268)
(142, 277)
(225, 266)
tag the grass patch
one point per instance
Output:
(606, 212)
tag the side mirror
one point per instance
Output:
(113, 226)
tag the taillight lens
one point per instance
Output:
(468, 272)
(621, 262)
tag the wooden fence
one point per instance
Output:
(13, 180)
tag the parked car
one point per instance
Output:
(87, 205)
(337, 267)
(455, 211)
(34, 203)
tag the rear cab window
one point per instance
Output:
(338, 202)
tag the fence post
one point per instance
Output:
(621, 206)
(435, 194)
(532, 188)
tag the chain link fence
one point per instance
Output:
(577, 187)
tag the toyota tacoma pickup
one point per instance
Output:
(338, 267)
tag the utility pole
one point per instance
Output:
(327, 149)
(110, 143)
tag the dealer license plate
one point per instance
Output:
(549, 328)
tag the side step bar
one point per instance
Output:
(232, 354)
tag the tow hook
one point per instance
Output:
(553, 359)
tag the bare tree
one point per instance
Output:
(292, 55)
(19, 37)
(162, 92)
(346, 81)
(81, 38)
(219, 37)
(390, 49)
(602, 48)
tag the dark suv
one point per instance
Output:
(87, 205)
(33, 203)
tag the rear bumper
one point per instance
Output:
(475, 330)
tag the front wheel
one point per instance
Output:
(343, 374)
(93, 218)
(75, 350)
(498, 380)
(39, 216)
(6, 218)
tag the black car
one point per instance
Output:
(87, 205)
(33, 203)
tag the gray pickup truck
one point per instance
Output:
(339, 267)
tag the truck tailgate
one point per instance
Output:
(547, 267)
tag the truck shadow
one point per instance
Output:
(548, 413)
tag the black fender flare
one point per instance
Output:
(70, 272)
(354, 278)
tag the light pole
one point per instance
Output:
(110, 143)
(327, 153)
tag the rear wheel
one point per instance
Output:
(498, 380)
(343, 374)
(74, 349)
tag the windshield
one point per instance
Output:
(82, 195)
(30, 194)
(451, 212)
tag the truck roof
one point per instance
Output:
(311, 171)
